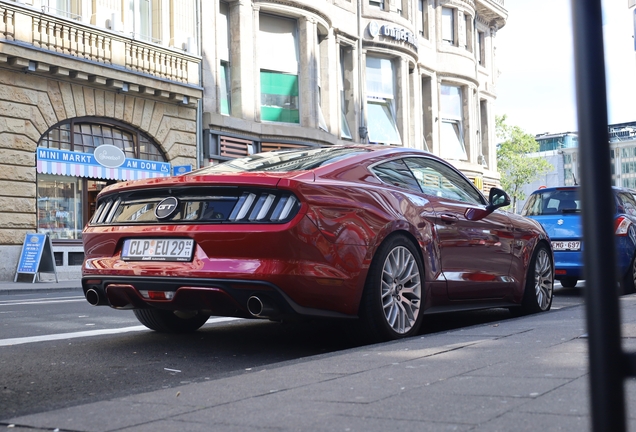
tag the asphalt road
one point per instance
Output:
(57, 351)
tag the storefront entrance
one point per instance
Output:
(78, 158)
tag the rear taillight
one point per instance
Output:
(621, 226)
(200, 205)
(264, 207)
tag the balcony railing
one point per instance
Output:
(73, 38)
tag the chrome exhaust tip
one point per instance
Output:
(261, 307)
(92, 296)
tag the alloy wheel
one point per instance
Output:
(401, 290)
(543, 279)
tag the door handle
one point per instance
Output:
(449, 218)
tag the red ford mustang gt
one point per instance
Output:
(378, 234)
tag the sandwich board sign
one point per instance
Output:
(37, 256)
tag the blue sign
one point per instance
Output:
(36, 257)
(181, 169)
(31, 253)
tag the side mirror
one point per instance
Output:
(497, 198)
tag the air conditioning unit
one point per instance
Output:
(188, 46)
(114, 23)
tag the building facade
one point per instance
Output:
(414, 73)
(99, 91)
(562, 151)
(91, 92)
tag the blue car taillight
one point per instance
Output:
(621, 226)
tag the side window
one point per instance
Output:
(532, 206)
(629, 204)
(440, 180)
(396, 173)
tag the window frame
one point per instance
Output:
(139, 139)
(385, 98)
(225, 81)
(281, 69)
(451, 14)
(456, 122)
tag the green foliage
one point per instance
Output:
(513, 163)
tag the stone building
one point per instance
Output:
(158, 85)
(415, 73)
(91, 92)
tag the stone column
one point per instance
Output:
(329, 74)
(210, 65)
(308, 77)
(402, 105)
(243, 69)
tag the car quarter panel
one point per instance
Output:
(527, 234)
(366, 215)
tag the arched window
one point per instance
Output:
(69, 178)
(87, 133)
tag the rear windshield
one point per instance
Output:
(283, 160)
(552, 202)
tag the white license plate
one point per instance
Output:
(566, 245)
(157, 249)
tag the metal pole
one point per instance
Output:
(606, 360)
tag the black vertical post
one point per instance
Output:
(606, 360)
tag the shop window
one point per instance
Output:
(448, 25)
(60, 206)
(67, 185)
(381, 115)
(224, 56)
(278, 43)
(452, 132)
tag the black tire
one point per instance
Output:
(171, 322)
(568, 282)
(391, 306)
(628, 284)
(539, 289)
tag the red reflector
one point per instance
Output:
(157, 295)
(560, 272)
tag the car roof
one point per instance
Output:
(575, 187)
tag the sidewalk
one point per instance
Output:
(10, 288)
(523, 374)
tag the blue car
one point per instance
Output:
(559, 211)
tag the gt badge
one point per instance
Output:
(166, 208)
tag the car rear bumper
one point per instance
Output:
(220, 297)
(568, 264)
